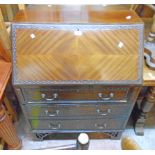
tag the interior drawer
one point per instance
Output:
(57, 111)
(85, 124)
(47, 95)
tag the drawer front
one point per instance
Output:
(87, 124)
(52, 95)
(56, 111)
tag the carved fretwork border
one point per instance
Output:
(139, 27)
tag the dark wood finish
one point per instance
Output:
(70, 111)
(105, 110)
(145, 11)
(77, 125)
(76, 93)
(148, 101)
(103, 135)
(56, 55)
(146, 105)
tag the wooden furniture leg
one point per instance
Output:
(5, 44)
(8, 132)
(151, 36)
(10, 108)
(146, 105)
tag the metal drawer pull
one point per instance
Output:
(54, 126)
(103, 112)
(56, 112)
(55, 96)
(101, 126)
(101, 96)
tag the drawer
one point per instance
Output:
(57, 111)
(103, 94)
(85, 124)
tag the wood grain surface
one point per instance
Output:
(62, 55)
(5, 73)
(4, 53)
(76, 14)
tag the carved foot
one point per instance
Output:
(40, 136)
(114, 135)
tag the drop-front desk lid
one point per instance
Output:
(92, 47)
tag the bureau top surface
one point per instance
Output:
(77, 53)
(76, 14)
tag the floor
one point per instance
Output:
(145, 142)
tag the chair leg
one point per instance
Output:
(8, 131)
(10, 108)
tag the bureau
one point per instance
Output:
(77, 73)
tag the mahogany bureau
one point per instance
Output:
(77, 71)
